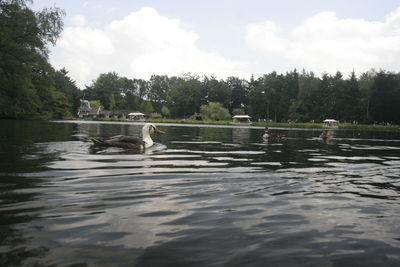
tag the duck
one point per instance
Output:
(267, 136)
(325, 135)
(130, 141)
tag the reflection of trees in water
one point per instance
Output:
(215, 134)
(22, 151)
(27, 132)
(20, 139)
(241, 135)
(82, 131)
(181, 132)
(106, 130)
(13, 241)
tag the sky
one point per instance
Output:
(140, 38)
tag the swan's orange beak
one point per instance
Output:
(158, 131)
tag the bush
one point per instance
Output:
(214, 111)
(165, 112)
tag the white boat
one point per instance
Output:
(331, 124)
(241, 120)
(136, 116)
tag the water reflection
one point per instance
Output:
(218, 194)
(241, 135)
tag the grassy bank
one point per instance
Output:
(346, 126)
(229, 122)
(371, 127)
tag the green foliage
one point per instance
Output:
(217, 91)
(95, 103)
(214, 111)
(27, 86)
(106, 88)
(158, 87)
(165, 111)
(365, 86)
(238, 111)
(184, 97)
(64, 84)
(239, 95)
(146, 107)
(385, 98)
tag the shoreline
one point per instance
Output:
(342, 126)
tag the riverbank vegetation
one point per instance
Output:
(31, 88)
(305, 125)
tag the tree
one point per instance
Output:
(214, 111)
(147, 108)
(158, 88)
(365, 85)
(339, 93)
(26, 87)
(269, 98)
(52, 103)
(257, 101)
(351, 106)
(107, 88)
(133, 92)
(66, 85)
(385, 98)
(217, 91)
(239, 89)
(165, 111)
(306, 106)
(184, 97)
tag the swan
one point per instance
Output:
(129, 141)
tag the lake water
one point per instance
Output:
(203, 196)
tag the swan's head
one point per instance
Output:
(150, 128)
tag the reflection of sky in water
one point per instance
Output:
(212, 192)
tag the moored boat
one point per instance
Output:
(241, 120)
(331, 124)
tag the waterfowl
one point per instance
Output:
(267, 136)
(324, 135)
(129, 141)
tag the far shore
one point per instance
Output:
(310, 125)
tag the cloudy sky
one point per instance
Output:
(225, 38)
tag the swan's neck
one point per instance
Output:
(147, 138)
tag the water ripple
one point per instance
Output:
(218, 194)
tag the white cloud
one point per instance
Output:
(263, 37)
(79, 20)
(137, 46)
(327, 43)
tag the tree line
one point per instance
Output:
(294, 96)
(31, 88)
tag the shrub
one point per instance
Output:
(214, 111)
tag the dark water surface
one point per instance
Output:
(204, 196)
